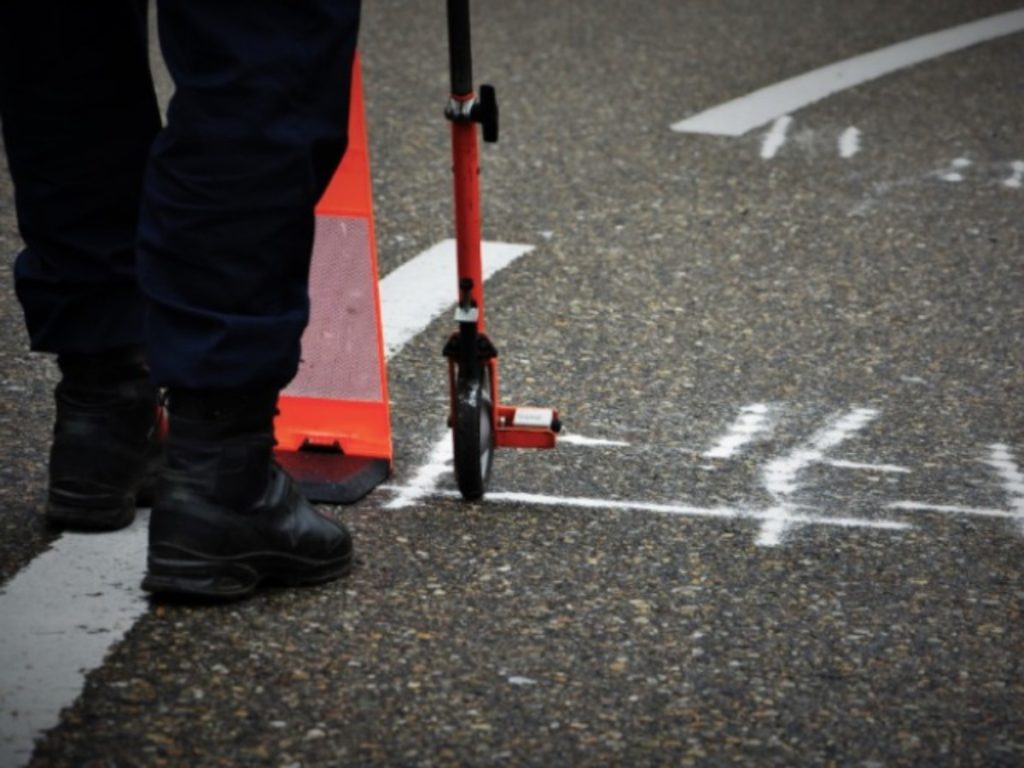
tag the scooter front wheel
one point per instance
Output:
(473, 432)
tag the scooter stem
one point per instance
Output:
(460, 58)
(465, 157)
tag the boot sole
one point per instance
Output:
(81, 512)
(193, 574)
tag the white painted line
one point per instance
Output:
(952, 174)
(752, 421)
(428, 475)
(684, 510)
(72, 603)
(736, 117)
(1017, 179)
(849, 142)
(1002, 460)
(60, 616)
(891, 468)
(917, 506)
(590, 441)
(775, 138)
(780, 475)
(427, 286)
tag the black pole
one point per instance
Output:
(459, 56)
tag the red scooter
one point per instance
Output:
(478, 421)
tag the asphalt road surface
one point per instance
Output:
(786, 525)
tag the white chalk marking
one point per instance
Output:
(776, 137)
(752, 421)
(849, 142)
(952, 509)
(1002, 460)
(426, 286)
(60, 615)
(590, 441)
(520, 680)
(683, 510)
(736, 117)
(72, 603)
(427, 476)
(952, 174)
(780, 475)
(1017, 179)
(891, 468)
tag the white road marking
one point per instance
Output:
(780, 475)
(849, 142)
(952, 173)
(684, 510)
(439, 463)
(775, 138)
(752, 421)
(426, 286)
(1002, 460)
(1017, 178)
(780, 479)
(736, 117)
(427, 476)
(69, 606)
(60, 616)
(567, 439)
(892, 468)
(952, 509)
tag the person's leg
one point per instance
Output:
(256, 128)
(79, 113)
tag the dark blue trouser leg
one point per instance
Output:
(255, 129)
(79, 114)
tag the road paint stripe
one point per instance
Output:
(952, 509)
(426, 286)
(683, 510)
(952, 174)
(776, 137)
(50, 641)
(596, 442)
(849, 142)
(780, 475)
(752, 421)
(736, 117)
(891, 468)
(427, 476)
(60, 615)
(1017, 178)
(1003, 461)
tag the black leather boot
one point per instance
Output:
(227, 518)
(106, 449)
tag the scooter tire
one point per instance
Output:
(473, 434)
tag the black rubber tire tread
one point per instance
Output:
(473, 401)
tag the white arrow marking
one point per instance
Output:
(736, 117)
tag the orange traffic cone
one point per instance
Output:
(334, 426)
